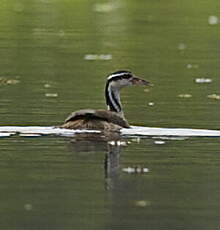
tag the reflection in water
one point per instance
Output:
(87, 182)
(112, 160)
(123, 191)
(112, 164)
(110, 145)
(88, 143)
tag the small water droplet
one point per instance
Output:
(146, 90)
(47, 85)
(137, 139)
(159, 142)
(51, 94)
(135, 169)
(189, 66)
(151, 103)
(186, 95)
(104, 7)
(142, 203)
(182, 46)
(203, 80)
(213, 20)
(98, 57)
(214, 96)
(28, 207)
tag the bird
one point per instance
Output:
(113, 118)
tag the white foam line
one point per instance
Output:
(6, 134)
(42, 130)
(133, 131)
(151, 131)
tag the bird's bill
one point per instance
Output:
(138, 81)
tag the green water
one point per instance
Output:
(59, 183)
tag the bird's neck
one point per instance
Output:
(112, 96)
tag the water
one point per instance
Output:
(55, 58)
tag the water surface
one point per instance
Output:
(55, 56)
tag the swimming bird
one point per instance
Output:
(113, 118)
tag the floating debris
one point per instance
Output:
(214, 96)
(213, 20)
(136, 169)
(182, 46)
(151, 103)
(159, 142)
(186, 95)
(192, 66)
(146, 90)
(51, 94)
(137, 139)
(203, 80)
(28, 207)
(6, 81)
(98, 57)
(47, 85)
(12, 81)
(142, 203)
(118, 143)
(189, 66)
(104, 7)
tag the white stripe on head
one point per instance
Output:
(118, 74)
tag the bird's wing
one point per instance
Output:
(80, 114)
(104, 115)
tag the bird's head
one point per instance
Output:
(124, 78)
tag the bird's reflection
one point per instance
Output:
(110, 145)
(112, 156)
(112, 163)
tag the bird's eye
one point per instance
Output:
(127, 76)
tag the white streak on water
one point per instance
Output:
(134, 131)
(33, 130)
(150, 131)
(6, 134)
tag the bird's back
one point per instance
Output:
(96, 120)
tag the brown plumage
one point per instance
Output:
(95, 119)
